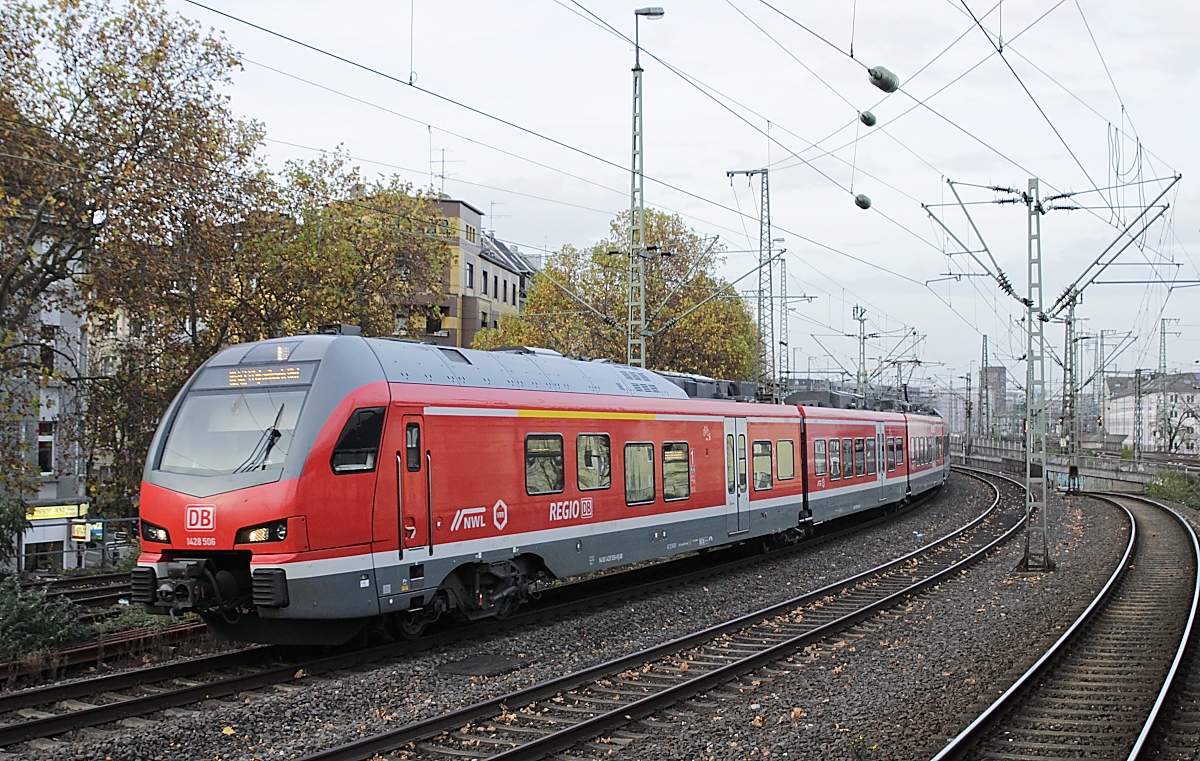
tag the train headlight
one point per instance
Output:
(276, 531)
(152, 533)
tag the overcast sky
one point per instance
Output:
(737, 84)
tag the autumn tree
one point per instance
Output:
(113, 129)
(718, 339)
(318, 244)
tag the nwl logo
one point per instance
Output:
(468, 517)
(200, 518)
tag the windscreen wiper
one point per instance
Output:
(262, 450)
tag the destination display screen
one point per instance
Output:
(257, 376)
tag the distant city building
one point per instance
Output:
(1170, 411)
(53, 437)
(484, 281)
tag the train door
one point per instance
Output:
(737, 497)
(416, 507)
(880, 462)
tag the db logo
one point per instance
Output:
(200, 518)
(500, 514)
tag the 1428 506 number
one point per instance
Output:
(202, 541)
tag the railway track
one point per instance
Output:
(49, 711)
(602, 707)
(1100, 690)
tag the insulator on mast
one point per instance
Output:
(883, 79)
(863, 202)
(867, 118)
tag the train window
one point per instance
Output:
(742, 463)
(871, 457)
(730, 465)
(762, 465)
(412, 447)
(860, 458)
(593, 461)
(785, 453)
(358, 444)
(891, 454)
(848, 458)
(835, 460)
(819, 457)
(543, 463)
(639, 474)
(899, 451)
(676, 471)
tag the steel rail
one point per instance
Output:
(369, 747)
(596, 591)
(974, 733)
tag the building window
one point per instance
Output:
(639, 474)
(676, 466)
(48, 348)
(433, 323)
(593, 461)
(543, 463)
(471, 234)
(496, 286)
(483, 320)
(470, 275)
(785, 455)
(485, 282)
(46, 447)
(819, 457)
(505, 299)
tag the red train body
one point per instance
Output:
(299, 490)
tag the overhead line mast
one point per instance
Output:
(768, 371)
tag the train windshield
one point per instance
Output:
(232, 431)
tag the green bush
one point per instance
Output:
(1175, 487)
(30, 622)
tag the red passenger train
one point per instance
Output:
(303, 489)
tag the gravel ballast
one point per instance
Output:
(894, 696)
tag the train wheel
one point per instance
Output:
(411, 624)
(507, 607)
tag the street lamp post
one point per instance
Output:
(636, 353)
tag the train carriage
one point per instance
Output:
(300, 489)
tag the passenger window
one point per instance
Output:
(860, 461)
(742, 463)
(848, 457)
(819, 463)
(676, 482)
(785, 468)
(899, 451)
(639, 473)
(835, 460)
(891, 454)
(543, 463)
(871, 457)
(762, 465)
(730, 465)
(358, 444)
(593, 461)
(412, 447)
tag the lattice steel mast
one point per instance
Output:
(1037, 542)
